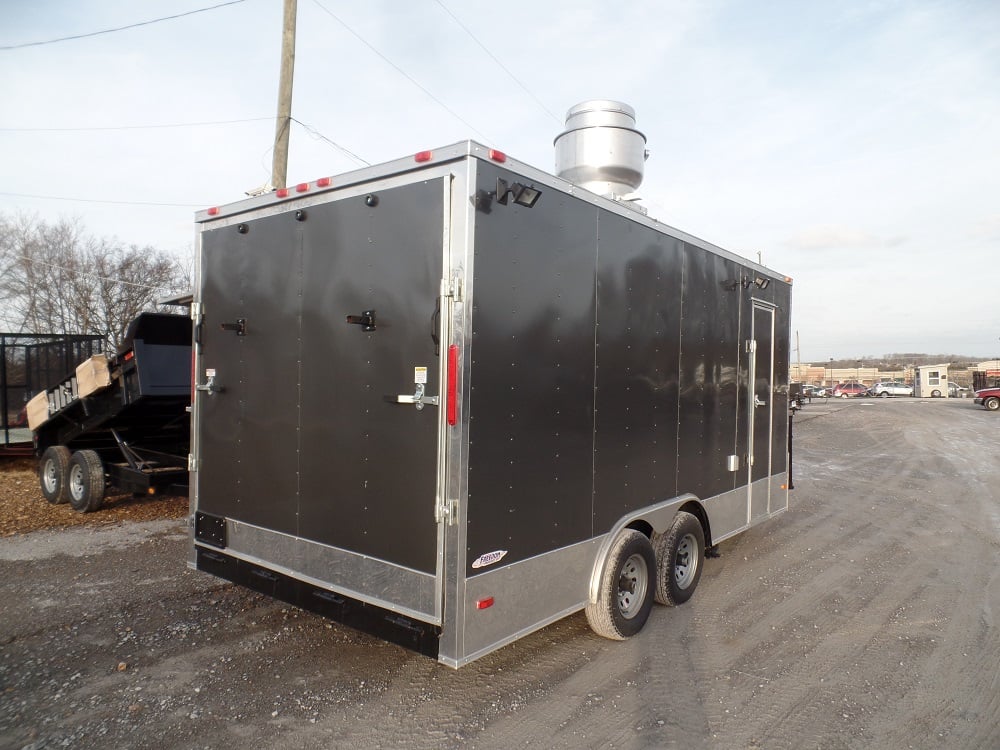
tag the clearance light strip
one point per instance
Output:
(453, 385)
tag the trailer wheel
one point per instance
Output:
(86, 481)
(992, 403)
(53, 470)
(680, 553)
(935, 393)
(625, 597)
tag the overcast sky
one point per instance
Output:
(855, 145)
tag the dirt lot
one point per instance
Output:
(22, 509)
(866, 616)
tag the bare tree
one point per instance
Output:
(56, 279)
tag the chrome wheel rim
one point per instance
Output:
(76, 482)
(49, 478)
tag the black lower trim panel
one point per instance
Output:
(389, 626)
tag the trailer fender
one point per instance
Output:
(652, 519)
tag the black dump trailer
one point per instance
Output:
(121, 421)
(451, 399)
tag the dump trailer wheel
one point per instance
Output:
(680, 555)
(86, 481)
(53, 472)
(992, 403)
(625, 596)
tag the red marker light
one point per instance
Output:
(484, 603)
(302, 187)
(213, 211)
(281, 192)
(422, 156)
(129, 355)
(498, 156)
(324, 182)
(452, 385)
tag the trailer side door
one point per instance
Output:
(760, 408)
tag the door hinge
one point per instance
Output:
(453, 288)
(196, 312)
(447, 511)
(752, 345)
(192, 462)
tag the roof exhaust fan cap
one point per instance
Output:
(600, 149)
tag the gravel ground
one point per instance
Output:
(864, 617)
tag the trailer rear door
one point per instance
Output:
(321, 327)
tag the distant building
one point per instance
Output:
(931, 381)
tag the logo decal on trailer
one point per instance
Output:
(489, 558)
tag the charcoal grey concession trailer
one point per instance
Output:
(453, 398)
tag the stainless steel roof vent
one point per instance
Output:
(601, 150)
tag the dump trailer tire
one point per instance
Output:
(680, 556)
(625, 596)
(86, 481)
(53, 473)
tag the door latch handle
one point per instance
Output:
(366, 320)
(240, 326)
(758, 402)
(418, 398)
(209, 385)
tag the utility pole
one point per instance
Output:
(279, 167)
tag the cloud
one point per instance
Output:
(841, 238)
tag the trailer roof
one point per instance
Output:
(423, 160)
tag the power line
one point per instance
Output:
(77, 272)
(132, 127)
(119, 28)
(498, 62)
(403, 73)
(312, 131)
(98, 200)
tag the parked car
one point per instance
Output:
(847, 390)
(989, 398)
(799, 393)
(956, 391)
(891, 388)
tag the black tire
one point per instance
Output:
(884, 394)
(991, 403)
(680, 556)
(85, 481)
(625, 596)
(53, 470)
(935, 393)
